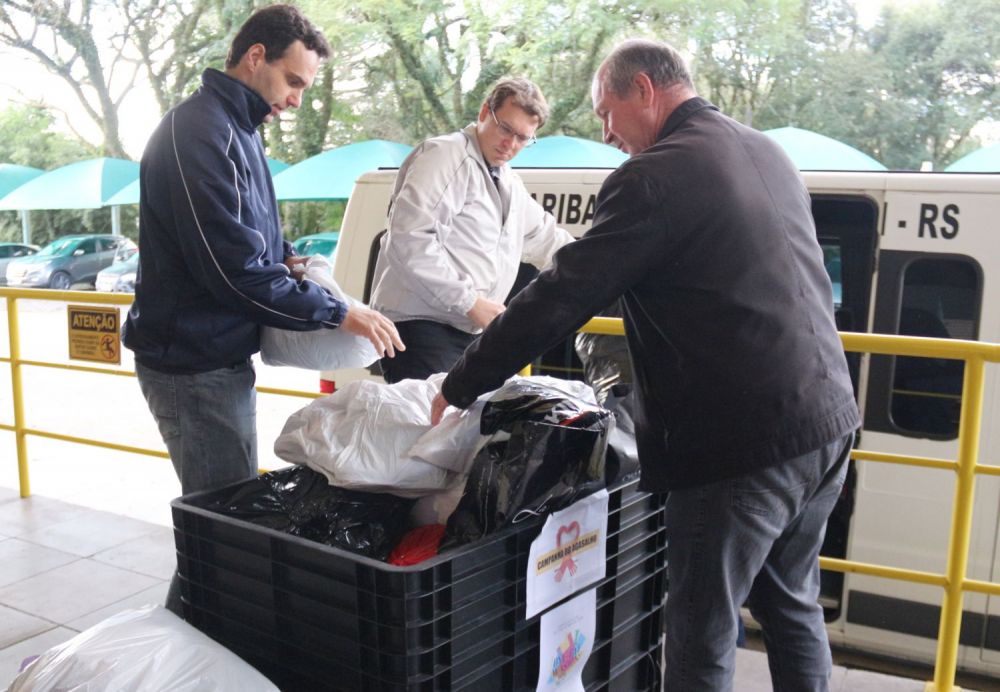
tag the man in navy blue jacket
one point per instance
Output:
(213, 264)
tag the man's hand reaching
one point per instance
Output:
(375, 327)
(437, 408)
(483, 311)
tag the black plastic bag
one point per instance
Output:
(300, 502)
(622, 462)
(546, 451)
(605, 358)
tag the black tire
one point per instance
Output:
(60, 281)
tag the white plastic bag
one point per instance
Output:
(147, 648)
(360, 437)
(322, 349)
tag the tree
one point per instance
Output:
(942, 66)
(27, 139)
(177, 39)
(426, 66)
(61, 36)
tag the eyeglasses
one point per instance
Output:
(510, 133)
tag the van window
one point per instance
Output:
(939, 299)
(922, 294)
(831, 260)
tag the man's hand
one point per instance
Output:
(297, 265)
(437, 408)
(483, 311)
(375, 327)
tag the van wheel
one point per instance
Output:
(60, 281)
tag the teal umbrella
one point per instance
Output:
(812, 151)
(130, 193)
(82, 185)
(560, 151)
(13, 176)
(985, 160)
(331, 174)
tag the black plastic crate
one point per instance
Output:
(313, 613)
(503, 663)
(402, 651)
(637, 588)
(372, 589)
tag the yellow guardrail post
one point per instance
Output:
(969, 425)
(14, 336)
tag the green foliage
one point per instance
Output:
(27, 139)
(909, 90)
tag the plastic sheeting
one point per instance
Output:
(321, 349)
(300, 502)
(547, 440)
(361, 437)
(147, 648)
(605, 358)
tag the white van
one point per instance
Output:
(908, 253)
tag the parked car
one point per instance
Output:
(119, 277)
(318, 244)
(9, 251)
(69, 260)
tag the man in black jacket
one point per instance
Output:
(746, 412)
(213, 263)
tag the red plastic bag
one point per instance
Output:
(417, 545)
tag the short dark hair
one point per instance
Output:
(276, 27)
(659, 61)
(523, 93)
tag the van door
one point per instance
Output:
(930, 283)
(846, 227)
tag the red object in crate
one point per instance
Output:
(417, 545)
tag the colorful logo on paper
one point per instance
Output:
(567, 656)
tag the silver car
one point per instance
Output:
(9, 251)
(69, 260)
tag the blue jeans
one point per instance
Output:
(754, 538)
(209, 423)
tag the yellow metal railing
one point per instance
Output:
(953, 581)
(17, 363)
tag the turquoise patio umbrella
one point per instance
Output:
(560, 151)
(12, 177)
(82, 185)
(985, 160)
(130, 193)
(811, 151)
(331, 174)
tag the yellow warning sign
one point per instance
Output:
(93, 334)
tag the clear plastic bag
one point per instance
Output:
(147, 648)
(321, 349)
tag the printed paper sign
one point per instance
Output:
(569, 553)
(567, 638)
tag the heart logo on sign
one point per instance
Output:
(567, 565)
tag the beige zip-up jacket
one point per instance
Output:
(453, 236)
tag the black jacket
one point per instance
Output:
(708, 238)
(210, 244)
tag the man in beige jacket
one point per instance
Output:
(460, 223)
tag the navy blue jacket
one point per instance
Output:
(708, 238)
(210, 247)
